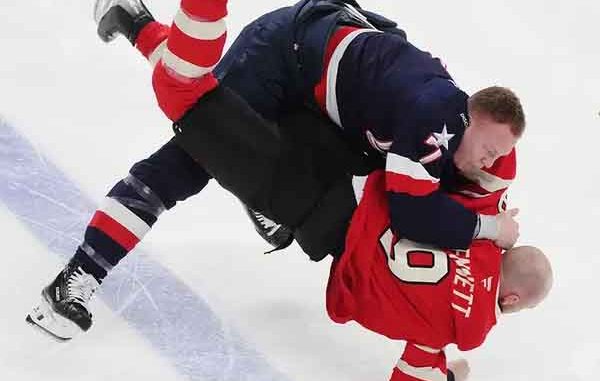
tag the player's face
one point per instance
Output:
(484, 141)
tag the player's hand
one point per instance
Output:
(508, 229)
(460, 369)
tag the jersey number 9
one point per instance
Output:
(413, 262)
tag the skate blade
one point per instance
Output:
(51, 323)
(44, 331)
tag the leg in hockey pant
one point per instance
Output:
(125, 216)
(128, 18)
(273, 175)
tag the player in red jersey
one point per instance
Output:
(430, 297)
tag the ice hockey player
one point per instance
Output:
(427, 296)
(386, 96)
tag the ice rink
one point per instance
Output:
(197, 299)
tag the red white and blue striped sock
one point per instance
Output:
(124, 218)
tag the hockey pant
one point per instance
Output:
(313, 192)
(297, 173)
(271, 170)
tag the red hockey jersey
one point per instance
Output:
(419, 293)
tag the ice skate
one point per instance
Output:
(63, 312)
(125, 17)
(277, 235)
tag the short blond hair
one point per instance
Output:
(502, 105)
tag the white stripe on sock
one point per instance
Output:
(182, 67)
(200, 30)
(125, 217)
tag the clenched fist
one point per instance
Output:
(508, 229)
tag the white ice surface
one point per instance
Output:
(89, 109)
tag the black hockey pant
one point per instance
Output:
(297, 173)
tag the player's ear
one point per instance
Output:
(509, 300)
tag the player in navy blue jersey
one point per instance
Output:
(387, 97)
(360, 96)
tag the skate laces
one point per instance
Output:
(81, 286)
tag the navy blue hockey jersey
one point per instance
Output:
(382, 91)
(400, 101)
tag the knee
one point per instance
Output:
(177, 94)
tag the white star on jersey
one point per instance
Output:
(442, 139)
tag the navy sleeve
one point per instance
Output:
(409, 107)
(420, 209)
(435, 219)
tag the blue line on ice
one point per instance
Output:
(178, 322)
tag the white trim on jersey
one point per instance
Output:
(331, 104)
(156, 55)
(124, 217)
(183, 67)
(199, 30)
(380, 145)
(424, 348)
(473, 194)
(426, 373)
(487, 181)
(404, 166)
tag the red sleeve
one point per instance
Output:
(420, 363)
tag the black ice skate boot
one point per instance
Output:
(125, 17)
(63, 311)
(277, 235)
